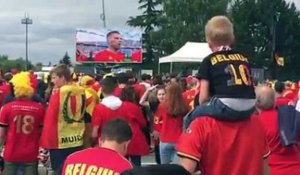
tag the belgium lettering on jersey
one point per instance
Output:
(230, 57)
(71, 139)
(84, 169)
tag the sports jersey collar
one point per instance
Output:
(221, 48)
(224, 48)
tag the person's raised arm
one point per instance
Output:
(143, 100)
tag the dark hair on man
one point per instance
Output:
(157, 80)
(62, 70)
(116, 130)
(131, 78)
(111, 33)
(164, 169)
(122, 78)
(279, 87)
(108, 84)
(146, 77)
(183, 84)
(129, 94)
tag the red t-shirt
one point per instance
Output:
(133, 115)
(23, 120)
(117, 91)
(139, 89)
(108, 56)
(283, 160)
(225, 148)
(4, 92)
(171, 128)
(157, 122)
(290, 94)
(189, 96)
(96, 161)
(282, 101)
(136, 56)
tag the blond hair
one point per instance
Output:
(219, 31)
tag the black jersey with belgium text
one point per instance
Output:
(229, 75)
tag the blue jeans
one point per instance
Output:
(216, 109)
(168, 153)
(58, 157)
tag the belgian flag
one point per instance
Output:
(278, 45)
(279, 59)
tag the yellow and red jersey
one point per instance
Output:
(92, 99)
(64, 123)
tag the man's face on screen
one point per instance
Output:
(115, 41)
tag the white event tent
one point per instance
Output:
(190, 52)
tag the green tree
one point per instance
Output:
(38, 66)
(7, 64)
(66, 59)
(256, 22)
(148, 21)
(185, 21)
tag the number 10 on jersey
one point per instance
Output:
(240, 75)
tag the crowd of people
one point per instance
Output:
(216, 123)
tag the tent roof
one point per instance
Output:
(190, 52)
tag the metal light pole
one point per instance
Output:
(275, 20)
(27, 21)
(102, 16)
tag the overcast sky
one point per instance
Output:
(54, 24)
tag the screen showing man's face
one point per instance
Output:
(115, 41)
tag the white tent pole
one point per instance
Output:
(171, 67)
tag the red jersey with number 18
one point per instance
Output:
(23, 120)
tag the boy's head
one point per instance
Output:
(279, 87)
(60, 75)
(116, 134)
(122, 78)
(219, 31)
(108, 85)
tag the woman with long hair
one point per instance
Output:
(138, 146)
(171, 113)
(151, 100)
